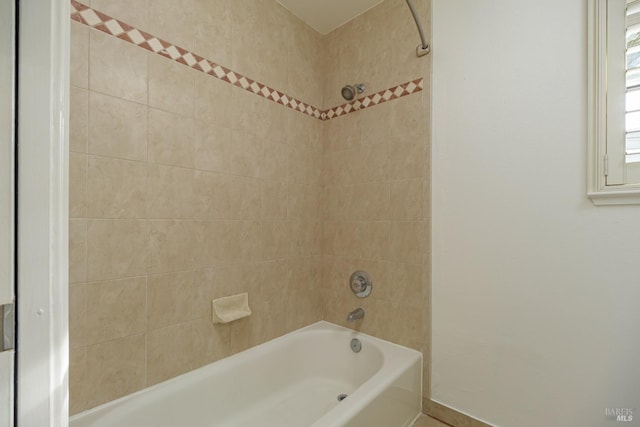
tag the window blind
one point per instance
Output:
(632, 89)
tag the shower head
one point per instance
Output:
(349, 92)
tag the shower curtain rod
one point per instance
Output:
(422, 48)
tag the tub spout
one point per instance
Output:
(355, 315)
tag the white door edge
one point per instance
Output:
(43, 94)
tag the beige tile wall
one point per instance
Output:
(376, 202)
(184, 189)
(376, 48)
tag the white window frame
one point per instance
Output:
(605, 121)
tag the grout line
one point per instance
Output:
(95, 19)
(146, 328)
(148, 113)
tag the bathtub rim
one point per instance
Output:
(340, 413)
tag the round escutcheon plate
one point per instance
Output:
(361, 284)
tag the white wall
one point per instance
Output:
(536, 292)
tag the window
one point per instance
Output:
(632, 83)
(614, 101)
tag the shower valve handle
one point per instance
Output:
(361, 284)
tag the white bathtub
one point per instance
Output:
(291, 381)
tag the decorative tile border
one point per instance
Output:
(377, 98)
(102, 22)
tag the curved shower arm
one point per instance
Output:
(422, 48)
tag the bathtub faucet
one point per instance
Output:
(355, 315)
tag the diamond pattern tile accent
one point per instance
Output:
(372, 100)
(135, 37)
(255, 87)
(190, 59)
(204, 66)
(90, 17)
(93, 18)
(114, 27)
(244, 84)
